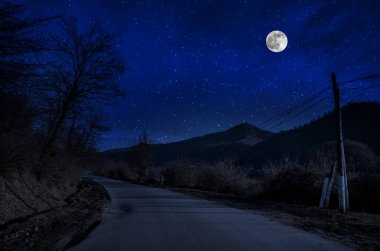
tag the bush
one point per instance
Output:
(290, 181)
(112, 169)
(364, 191)
(296, 185)
(296, 182)
(224, 176)
(301, 183)
(180, 173)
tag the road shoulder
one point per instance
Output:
(360, 231)
(61, 227)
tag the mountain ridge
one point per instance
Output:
(360, 124)
(244, 133)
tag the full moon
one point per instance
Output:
(277, 41)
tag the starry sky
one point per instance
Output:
(200, 66)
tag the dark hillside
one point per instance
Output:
(207, 147)
(361, 123)
(253, 146)
(245, 134)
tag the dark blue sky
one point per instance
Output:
(200, 66)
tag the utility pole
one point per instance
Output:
(341, 161)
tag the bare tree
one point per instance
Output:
(86, 72)
(82, 133)
(20, 37)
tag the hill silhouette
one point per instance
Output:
(207, 147)
(361, 123)
(253, 146)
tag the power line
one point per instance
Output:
(359, 89)
(294, 107)
(289, 113)
(370, 87)
(301, 112)
(310, 102)
(356, 96)
(362, 78)
(362, 88)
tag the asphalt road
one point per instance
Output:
(145, 218)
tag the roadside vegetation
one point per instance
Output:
(287, 190)
(296, 181)
(54, 79)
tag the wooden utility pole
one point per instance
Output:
(341, 161)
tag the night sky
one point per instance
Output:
(200, 66)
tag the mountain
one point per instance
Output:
(206, 147)
(245, 134)
(253, 146)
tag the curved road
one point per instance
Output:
(145, 218)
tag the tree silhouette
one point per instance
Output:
(19, 37)
(85, 71)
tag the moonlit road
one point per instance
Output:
(145, 218)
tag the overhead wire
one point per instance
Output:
(345, 90)
(376, 75)
(308, 108)
(293, 111)
(294, 107)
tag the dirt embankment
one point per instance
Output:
(59, 227)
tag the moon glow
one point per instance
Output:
(276, 41)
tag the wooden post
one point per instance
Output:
(326, 190)
(346, 186)
(342, 179)
(322, 201)
(329, 186)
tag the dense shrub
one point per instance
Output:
(290, 181)
(296, 185)
(179, 173)
(113, 170)
(301, 183)
(364, 191)
(223, 176)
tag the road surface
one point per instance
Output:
(145, 218)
